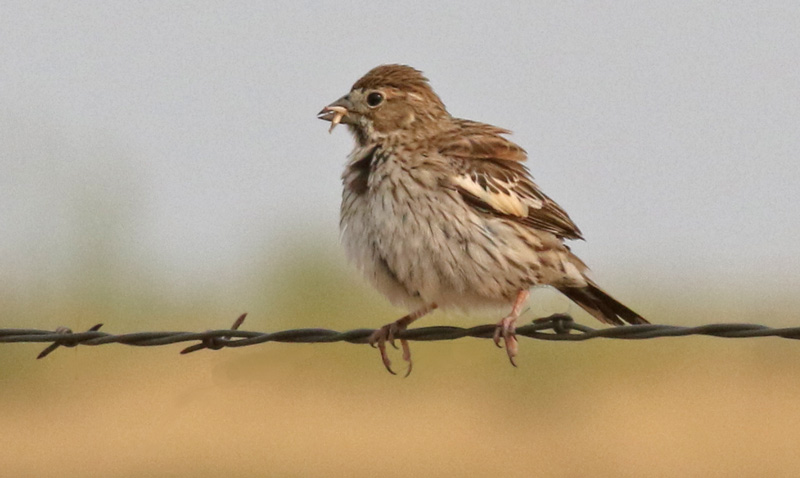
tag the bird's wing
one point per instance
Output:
(470, 139)
(493, 184)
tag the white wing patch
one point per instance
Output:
(498, 194)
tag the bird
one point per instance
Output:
(440, 212)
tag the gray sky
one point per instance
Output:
(182, 135)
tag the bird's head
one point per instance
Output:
(389, 99)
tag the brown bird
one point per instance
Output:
(440, 212)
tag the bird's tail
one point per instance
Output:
(601, 305)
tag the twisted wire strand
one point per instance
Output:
(558, 327)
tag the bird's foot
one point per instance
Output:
(387, 334)
(506, 329)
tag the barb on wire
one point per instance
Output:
(559, 327)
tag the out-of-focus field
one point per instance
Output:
(666, 407)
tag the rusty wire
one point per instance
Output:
(559, 327)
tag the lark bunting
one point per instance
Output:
(440, 212)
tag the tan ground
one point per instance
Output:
(668, 407)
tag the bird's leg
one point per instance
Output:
(387, 333)
(506, 328)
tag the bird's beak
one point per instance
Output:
(336, 112)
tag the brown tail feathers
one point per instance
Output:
(602, 306)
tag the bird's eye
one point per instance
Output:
(374, 99)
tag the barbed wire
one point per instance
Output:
(558, 327)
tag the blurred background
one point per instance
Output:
(162, 168)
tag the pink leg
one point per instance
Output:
(387, 333)
(507, 326)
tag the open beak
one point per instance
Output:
(336, 112)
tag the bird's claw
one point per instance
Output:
(506, 329)
(387, 334)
